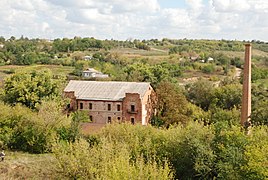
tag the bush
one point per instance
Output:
(208, 69)
(256, 154)
(106, 161)
(189, 151)
(30, 131)
(229, 147)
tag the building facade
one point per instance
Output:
(111, 101)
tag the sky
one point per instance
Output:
(135, 19)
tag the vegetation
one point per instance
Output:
(195, 133)
(193, 152)
(29, 88)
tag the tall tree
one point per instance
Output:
(172, 104)
(29, 88)
(200, 93)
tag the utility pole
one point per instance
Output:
(246, 97)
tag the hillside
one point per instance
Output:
(188, 57)
(195, 130)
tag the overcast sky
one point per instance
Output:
(136, 19)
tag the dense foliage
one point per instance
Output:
(29, 88)
(192, 152)
(195, 132)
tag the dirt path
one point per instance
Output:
(160, 50)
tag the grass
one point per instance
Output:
(139, 52)
(56, 69)
(19, 165)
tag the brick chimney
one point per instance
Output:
(246, 97)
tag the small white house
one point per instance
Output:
(93, 73)
(1, 45)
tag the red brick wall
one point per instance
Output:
(149, 100)
(100, 112)
(132, 99)
(73, 105)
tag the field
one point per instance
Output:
(56, 69)
(19, 165)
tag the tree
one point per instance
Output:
(29, 88)
(171, 105)
(228, 96)
(79, 67)
(259, 114)
(200, 93)
(139, 72)
(256, 154)
(229, 147)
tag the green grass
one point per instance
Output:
(56, 69)
(19, 165)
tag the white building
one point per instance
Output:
(93, 73)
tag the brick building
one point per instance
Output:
(108, 101)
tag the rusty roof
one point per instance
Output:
(105, 90)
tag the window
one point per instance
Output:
(132, 108)
(118, 118)
(91, 118)
(109, 107)
(90, 105)
(118, 107)
(81, 105)
(109, 119)
(132, 121)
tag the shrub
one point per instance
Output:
(106, 161)
(256, 154)
(210, 68)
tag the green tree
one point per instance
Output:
(189, 151)
(259, 114)
(256, 154)
(171, 104)
(229, 147)
(29, 88)
(200, 93)
(227, 97)
(139, 72)
(80, 66)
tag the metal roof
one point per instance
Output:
(105, 90)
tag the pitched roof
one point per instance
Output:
(91, 70)
(105, 90)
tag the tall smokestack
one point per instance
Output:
(246, 98)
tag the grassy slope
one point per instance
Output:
(18, 165)
(56, 69)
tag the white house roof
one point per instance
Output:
(91, 70)
(105, 90)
